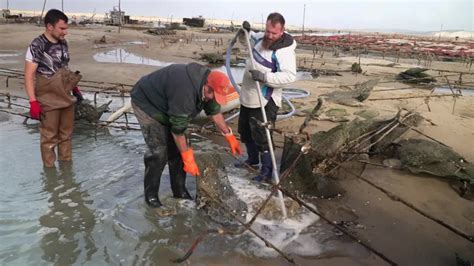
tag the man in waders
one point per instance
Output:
(48, 84)
(165, 102)
(275, 67)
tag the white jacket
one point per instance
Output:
(285, 62)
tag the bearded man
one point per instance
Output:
(274, 64)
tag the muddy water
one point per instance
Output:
(9, 57)
(123, 56)
(447, 90)
(92, 211)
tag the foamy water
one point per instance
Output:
(281, 233)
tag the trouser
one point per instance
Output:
(161, 150)
(255, 137)
(56, 129)
(250, 132)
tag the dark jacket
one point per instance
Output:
(173, 95)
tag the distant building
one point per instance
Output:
(116, 17)
(194, 22)
(5, 13)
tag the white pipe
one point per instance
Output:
(267, 131)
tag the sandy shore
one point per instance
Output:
(395, 229)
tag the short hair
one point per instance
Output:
(275, 18)
(53, 16)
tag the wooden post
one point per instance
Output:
(42, 11)
(304, 13)
(120, 18)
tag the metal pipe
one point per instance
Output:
(267, 131)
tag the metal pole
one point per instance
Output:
(304, 12)
(440, 31)
(7, 5)
(120, 17)
(62, 5)
(267, 131)
(42, 11)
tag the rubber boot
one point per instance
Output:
(178, 179)
(153, 170)
(252, 160)
(266, 170)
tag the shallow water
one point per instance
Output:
(92, 211)
(123, 56)
(9, 57)
(447, 90)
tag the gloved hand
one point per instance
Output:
(246, 26)
(258, 75)
(35, 110)
(190, 165)
(233, 143)
(77, 93)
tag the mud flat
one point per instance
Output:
(408, 218)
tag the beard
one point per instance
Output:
(266, 43)
(57, 37)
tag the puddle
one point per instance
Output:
(447, 90)
(136, 42)
(6, 56)
(122, 56)
(93, 211)
(4, 61)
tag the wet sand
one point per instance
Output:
(393, 228)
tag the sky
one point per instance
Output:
(414, 15)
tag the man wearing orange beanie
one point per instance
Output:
(165, 102)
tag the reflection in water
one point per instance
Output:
(68, 225)
(447, 90)
(121, 55)
(6, 56)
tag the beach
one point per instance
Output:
(409, 218)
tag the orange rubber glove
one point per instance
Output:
(190, 165)
(233, 143)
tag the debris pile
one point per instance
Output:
(415, 75)
(424, 156)
(161, 31)
(212, 185)
(328, 150)
(406, 46)
(84, 110)
(353, 97)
